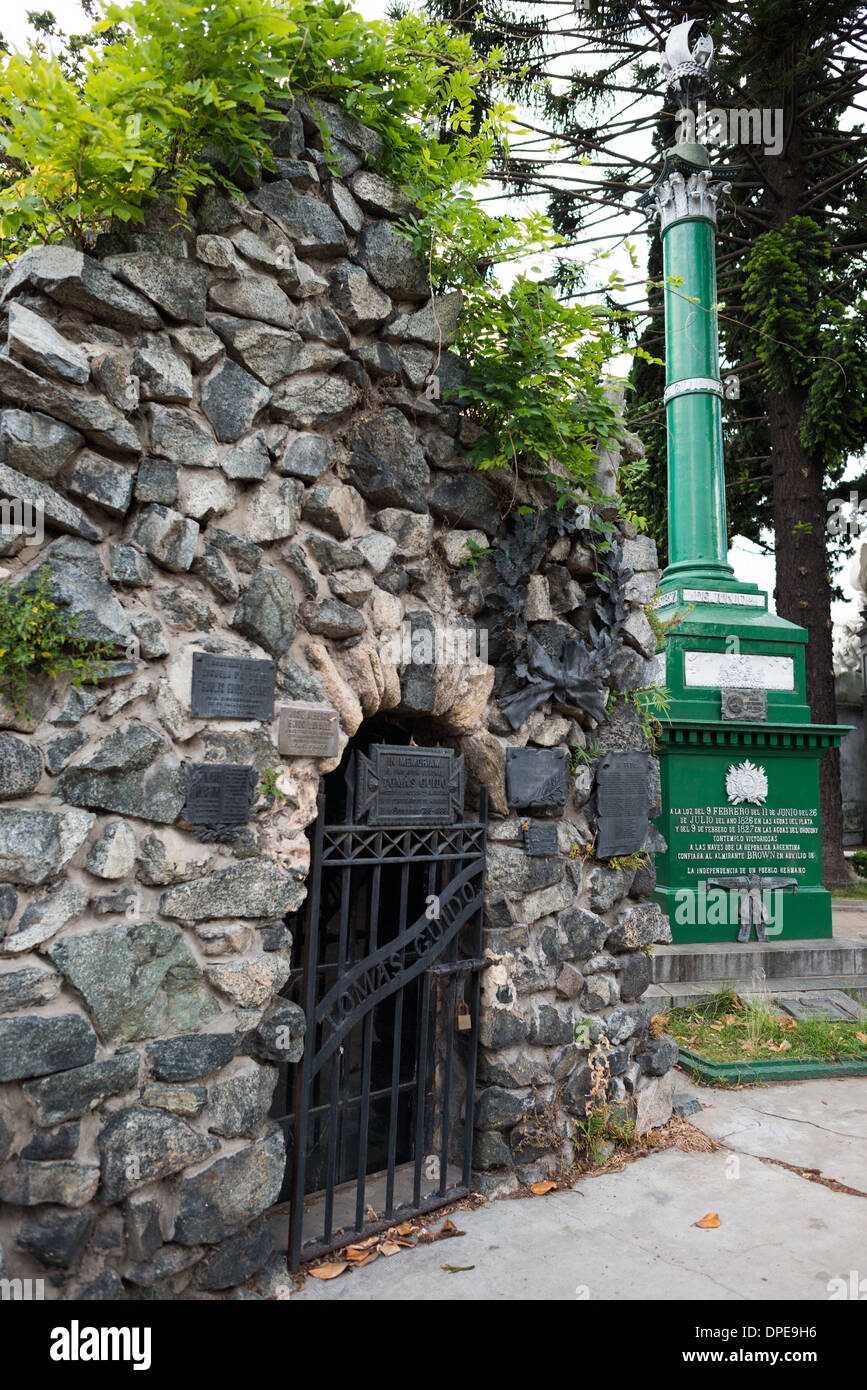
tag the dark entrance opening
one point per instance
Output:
(378, 1114)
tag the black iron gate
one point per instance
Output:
(381, 1125)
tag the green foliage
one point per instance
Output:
(474, 553)
(601, 1132)
(36, 638)
(268, 785)
(859, 862)
(652, 704)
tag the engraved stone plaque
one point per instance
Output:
(231, 687)
(540, 841)
(741, 670)
(220, 797)
(307, 730)
(399, 785)
(536, 776)
(621, 804)
(745, 704)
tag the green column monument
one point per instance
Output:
(739, 755)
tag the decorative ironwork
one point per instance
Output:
(220, 799)
(390, 986)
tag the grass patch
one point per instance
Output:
(725, 1028)
(849, 890)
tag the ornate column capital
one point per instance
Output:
(677, 197)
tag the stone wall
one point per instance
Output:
(236, 436)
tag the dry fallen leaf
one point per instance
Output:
(456, 1269)
(709, 1222)
(862, 1037)
(717, 1027)
(328, 1271)
(784, 1045)
(405, 1228)
(447, 1229)
(389, 1247)
(540, 1188)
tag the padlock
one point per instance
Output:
(464, 1020)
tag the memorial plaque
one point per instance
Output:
(621, 804)
(308, 730)
(540, 840)
(745, 704)
(399, 785)
(231, 687)
(220, 797)
(536, 776)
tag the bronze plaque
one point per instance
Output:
(231, 687)
(749, 705)
(220, 798)
(400, 785)
(536, 777)
(308, 730)
(621, 804)
(540, 840)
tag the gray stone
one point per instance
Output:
(346, 206)
(215, 1203)
(376, 195)
(219, 253)
(653, 1103)
(246, 556)
(44, 917)
(237, 1258)
(606, 886)
(34, 340)
(640, 924)
(152, 640)
(142, 1226)
(62, 1143)
(357, 300)
(167, 536)
(239, 1105)
(158, 1272)
(231, 399)
(138, 1146)
(465, 501)
(296, 683)
(266, 611)
(253, 889)
(353, 588)
(188, 1101)
(79, 703)
(35, 444)
(203, 493)
(497, 1108)
(550, 1027)
(78, 1090)
(178, 436)
(78, 585)
(60, 750)
(122, 901)
(106, 1288)
(137, 980)
(310, 224)
(659, 1057)
(634, 976)
(255, 297)
(96, 479)
(113, 855)
(511, 871)
(623, 1023)
(500, 1027)
(435, 325)
(249, 459)
(378, 358)
(273, 510)
(129, 568)
(36, 845)
(319, 321)
(490, 1150)
(191, 1056)
(57, 511)
(341, 126)
(306, 456)
(61, 1181)
(412, 534)
(79, 282)
(305, 401)
(639, 553)
(177, 286)
(378, 551)
(19, 989)
(201, 345)
(331, 618)
(157, 481)
(211, 567)
(269, 353)
(20, 767)
(683, 1105)
(333, 507)
(599, 991)
(331, 554)
(162, 374)
(111, 375)
(390, 260)
(54, 1237)
(280, 1035)
(33, 1046)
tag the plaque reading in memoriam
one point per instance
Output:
(231, 687)
(220, 798)
(400, 785)
(539, 840)
(745, 704)
(307, 730)
(536, 777)
(621, 804)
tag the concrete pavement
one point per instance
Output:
(631, 1234)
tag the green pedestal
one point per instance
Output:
(739, 797)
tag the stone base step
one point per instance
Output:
(829, 959)
(675, 994)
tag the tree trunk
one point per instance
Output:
(803, 596)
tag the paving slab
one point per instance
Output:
(812, 1124)
(630, 1235)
